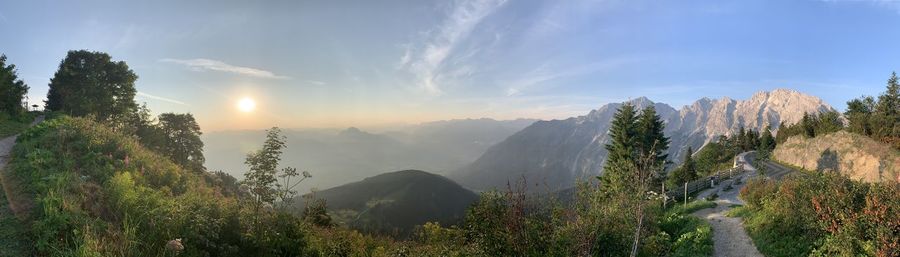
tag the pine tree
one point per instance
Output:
(889, 102)
(686, 172)
(653, 142)
(766, 143)
(808, 126)
(621, 150)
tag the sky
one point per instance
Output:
(332, 64)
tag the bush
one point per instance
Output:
(823, 215)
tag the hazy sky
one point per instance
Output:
(371, 63)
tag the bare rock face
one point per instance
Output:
(856, 156)
(552, 155)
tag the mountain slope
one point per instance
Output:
(336, 157)
(556, 153)
(854, 155)
(396, 202)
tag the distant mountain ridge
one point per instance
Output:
(398, 201)
(554, 154)
(337, 156)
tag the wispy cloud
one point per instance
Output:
(164, 99)
(316, 82)
(542, 75)
(427, 59)
(214, 65)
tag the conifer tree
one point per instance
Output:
(686, 172)
(621, 149)
(653, 142)
(766, 143)
(889, 102)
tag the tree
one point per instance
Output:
(859, 112)
(652, 142)
(889, 102)
(621, 150)
(12, 89)
(90, 83)
(808, 126)
(182, 140)
(766, 143)
(687, 171)
(262, 178)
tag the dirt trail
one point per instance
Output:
(13, 241)
(729, 237)
(18, 205)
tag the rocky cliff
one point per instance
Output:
(856, 156)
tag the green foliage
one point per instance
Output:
(766, 144)
(651, 138)
(9, 127)
(879, 119)
(100, 193)
(90, 83)
(621, 149)
(692, 207)
(691, 236)
(686, 172)
(316, 213)
(714, 156)
(12, 91)
(182, 142)
(811, 125)
(823, 214)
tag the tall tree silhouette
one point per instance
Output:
(90, 83)
(621, 150)
(182, 140)
(12, 89)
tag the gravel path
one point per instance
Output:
(729, 237)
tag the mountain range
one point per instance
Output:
(552, 155)
(335, 157)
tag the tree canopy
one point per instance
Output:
(636, 151)
(686, 172)
(182, 140)
(12, 89)
(90, 83)
(879, 119)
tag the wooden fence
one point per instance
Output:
(678, 193)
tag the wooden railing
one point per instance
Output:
(679, 193)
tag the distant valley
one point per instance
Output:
(336, 157)
(394, 203)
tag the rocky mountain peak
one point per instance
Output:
(558, 152)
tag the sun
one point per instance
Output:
(246, 104)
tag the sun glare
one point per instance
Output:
(246, 104)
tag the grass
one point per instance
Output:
(11, 127)
(738, 210)
(693, 235)
(12, 232)
(692, 207)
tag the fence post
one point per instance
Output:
(685, 192)
(665, 195)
